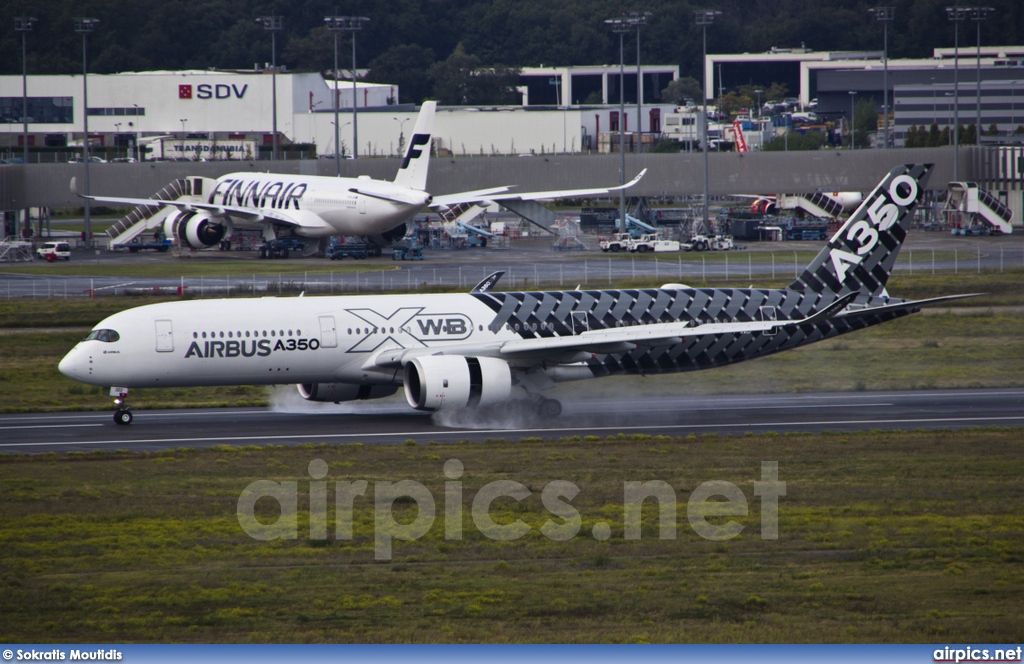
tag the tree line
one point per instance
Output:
(428, 46)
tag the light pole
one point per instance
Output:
(334, 24)
(956, 13)
(704, 19)
(84, 26)
(979, 14)
(117, 132)
(401, 135)
(639, 20)
(885, 15)
(351, 24)
(23, 24)
(273, 24)
(138, 133)
(620, 26)
(853, 130)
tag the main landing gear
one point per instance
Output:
(123, 415)
(535, 408)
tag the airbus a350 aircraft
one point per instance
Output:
(486, 347)
(317, 206)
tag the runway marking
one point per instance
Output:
(51, 426)
(459, 432)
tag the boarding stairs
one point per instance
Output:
(970, 199)
(149, 217)
(15, 251)
(816, 204)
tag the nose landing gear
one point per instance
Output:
(123, 415)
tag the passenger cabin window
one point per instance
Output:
(108, 336)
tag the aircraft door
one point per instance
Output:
(328, 332)
(361, 204)
(580, 323)
(769, 314)
(164, 337)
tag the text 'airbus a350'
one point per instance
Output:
(318, 206)
(486, 348)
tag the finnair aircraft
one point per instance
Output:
(317, 206)
(485, 347)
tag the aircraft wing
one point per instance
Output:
(250, 215)
(611, 340)
(505, 194)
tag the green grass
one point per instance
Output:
(211, 265)
(883, 537)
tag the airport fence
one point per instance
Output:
(584, 272)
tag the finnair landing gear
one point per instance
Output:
(123, 415)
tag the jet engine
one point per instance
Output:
(194, 229)
(763, 206)
(338, 392)
(455, 381)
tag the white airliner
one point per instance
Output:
(317, 206)
(485, 347)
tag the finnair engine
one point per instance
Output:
(338, 392)
(455, 381)
(196, 229)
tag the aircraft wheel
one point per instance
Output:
(123, 417)
(284, 253)
(550, 408)
(262, 253)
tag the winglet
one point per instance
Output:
(74, 186)
(632, 182)
(488, 283)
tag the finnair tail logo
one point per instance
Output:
(889, 205)
(414, 151)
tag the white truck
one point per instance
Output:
(651, 242)
(616, 243)
(712, 243)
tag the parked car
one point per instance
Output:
(55, 250)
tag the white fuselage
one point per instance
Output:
(322, 206)
(275, 340)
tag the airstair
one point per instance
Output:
(816, 204)
(15, 251)
(149, 217)
(967, 198)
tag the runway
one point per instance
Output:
(392, 422)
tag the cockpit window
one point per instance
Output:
(108, 336)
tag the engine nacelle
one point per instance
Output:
(194, 229)
(338, 392)
(763, 206)
(455, 381)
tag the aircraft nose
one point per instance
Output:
(72, 365)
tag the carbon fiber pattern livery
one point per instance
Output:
(858, 259)
(882, 219)
(549, 314)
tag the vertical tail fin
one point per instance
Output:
(413, 171)
(860, 256)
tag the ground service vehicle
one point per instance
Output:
(53, 251)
